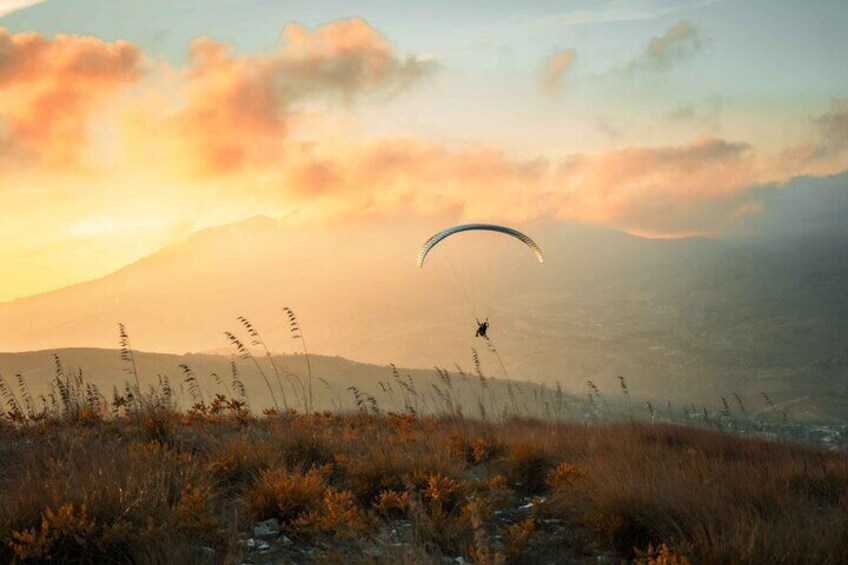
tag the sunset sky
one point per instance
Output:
(128, 125)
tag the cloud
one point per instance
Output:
(9, 6)
(239, 108)
(408, 176)
(832, 127)
(233, 132)
(695, 186)
(698, 187)
(826, 153)
(554, 69)
(626, 11)
(51, 88)
(678, 43)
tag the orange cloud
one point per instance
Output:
(696, 186)
(50, 89)
(555, 68)
(233, 125)
(400, 176)
(239, 108)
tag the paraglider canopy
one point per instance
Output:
(434, 240)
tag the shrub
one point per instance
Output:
(474, 451)
(286, 496)
(518, 537)
(392, 504)
(565, 475)
(66, 533)
(304, 504)
(237, 462)
(661, 555)
(528, 465)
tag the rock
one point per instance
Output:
(267, 529)
(264, 546)
(285, 540)
(251, 543)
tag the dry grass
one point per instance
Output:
(143, 483)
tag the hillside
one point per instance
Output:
(157, 486)
(398, 390)
(687, 320)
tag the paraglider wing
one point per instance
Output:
(433, 241)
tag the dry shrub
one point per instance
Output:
(392, 504)
(129, 492)
(369, 476)
(139, 487)
(304, 503)
(723, 499)
(286, 495)
(237, 462)
(492, 493)
(518, 537)
(339, 515)
(304, 450)
(159, 426)
(565, 475)
(440, 492)
(440, 513)
(194, 513)
(474, 451)
(661, 555)
(528, 465)
(89, 416)
(66, 533)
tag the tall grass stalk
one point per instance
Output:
(245, 353)
(128, 356)
(297, 333)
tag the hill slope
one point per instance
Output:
(333, 380)
(684, 320)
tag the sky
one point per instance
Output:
(125, 126)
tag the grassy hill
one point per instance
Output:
(216, 485)
(282, 382)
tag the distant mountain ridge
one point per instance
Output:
(683, 320)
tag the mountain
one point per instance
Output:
(687, 320)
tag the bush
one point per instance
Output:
(528, 466)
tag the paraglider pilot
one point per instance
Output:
(482, 328)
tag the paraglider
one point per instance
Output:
(482, 328)
(436, 239)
